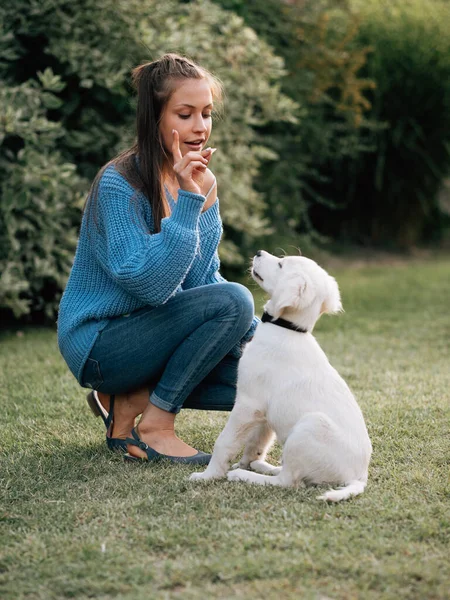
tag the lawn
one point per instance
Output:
(77, 522)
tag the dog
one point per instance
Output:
(286, 386)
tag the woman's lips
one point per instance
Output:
(194, 146)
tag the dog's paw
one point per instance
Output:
(237, 475)
(239, 465)
(198, 477)
(265, 468)
(205, 476)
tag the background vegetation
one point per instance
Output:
(322, 62)
(367, 159)
(336, 122)
(389, 195)
(64, 76)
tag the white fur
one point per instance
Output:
(286, 385)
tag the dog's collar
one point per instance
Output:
(266, 318)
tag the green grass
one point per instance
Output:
(76, 522)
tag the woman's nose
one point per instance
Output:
(200, 125)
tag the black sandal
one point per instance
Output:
(152, 455)
(114, 444)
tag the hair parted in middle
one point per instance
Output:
(143, 164)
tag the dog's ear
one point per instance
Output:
(296, 293)
(332, 303)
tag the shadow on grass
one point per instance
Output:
(71, 472)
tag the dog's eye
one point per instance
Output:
(280, 265)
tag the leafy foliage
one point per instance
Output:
(316, 39)
(394, 196)
(370, 152)
(39, 193)
(66, 108)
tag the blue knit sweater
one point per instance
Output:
(119, 267)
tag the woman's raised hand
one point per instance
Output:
(190, 169)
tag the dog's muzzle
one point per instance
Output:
(255, 274)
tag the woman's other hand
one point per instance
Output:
(190, 169)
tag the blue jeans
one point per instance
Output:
(179, 350)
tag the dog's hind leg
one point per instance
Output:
(307, 454)
(241, 423)
(262, 466)
(283, 478)
(314, 451)
(257, 446)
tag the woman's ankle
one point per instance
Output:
(164, 442)
(157, 429)
(126, 408)
(155, 419)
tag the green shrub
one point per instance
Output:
(393, 198)
(315, 38)
(58, 129)
(39, 196)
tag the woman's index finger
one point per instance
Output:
(176, 152)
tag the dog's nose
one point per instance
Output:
(258, 253)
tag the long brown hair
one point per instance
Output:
(155, 83)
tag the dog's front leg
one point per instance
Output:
(241, 422)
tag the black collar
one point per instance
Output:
(266, 318)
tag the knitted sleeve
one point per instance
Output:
(205, 266)
(149, 266)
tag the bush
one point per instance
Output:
(393, 198)
(58, 128)
(315, 38)
(39, 196)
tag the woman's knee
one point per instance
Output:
(239, 299)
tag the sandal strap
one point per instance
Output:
(110, 416)
(116, 444)
(152, 455)
(136, 441)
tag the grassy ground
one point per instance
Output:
(76, 522)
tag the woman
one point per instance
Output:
(146, 320)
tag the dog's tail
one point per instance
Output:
(353, 488)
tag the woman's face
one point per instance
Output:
(189, 112)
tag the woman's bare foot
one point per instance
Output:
(126, 408)
(157, 429)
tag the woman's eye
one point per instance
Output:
(187, 116)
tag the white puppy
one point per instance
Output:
(286, 385)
